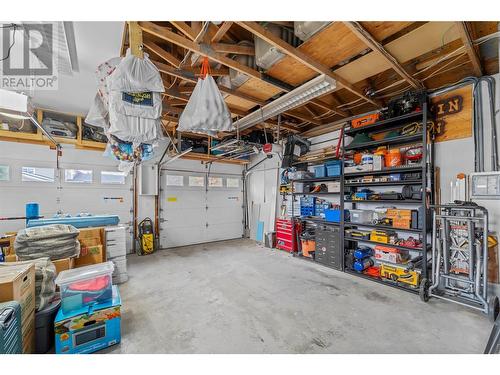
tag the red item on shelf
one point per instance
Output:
(372, 271)
(94, 285)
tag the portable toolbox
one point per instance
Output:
(11, 341)
(365, 120)
(400, 274)
(358, 234)
(381, 236)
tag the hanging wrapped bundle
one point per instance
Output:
(206, 111)
(135, 102)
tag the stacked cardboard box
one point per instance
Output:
(17, 283)
(91, 247)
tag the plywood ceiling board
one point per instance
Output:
(417, 42)
(381, 30)
(258, 89)
(330, 46)
(238, 103)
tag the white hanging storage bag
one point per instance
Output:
(206, 111)
(135, 100)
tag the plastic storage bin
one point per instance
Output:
(85, 286)
(333, 168)
(320, 171)
(333, 215)
(44, 326)
(361, 216)
(307, 206)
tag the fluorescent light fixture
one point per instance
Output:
(18, 106)
(15, 105)
(315, 87)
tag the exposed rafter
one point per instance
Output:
(221, 31)
(202, 49)
(135, 39)
(156, 49)
(184, 28)
(374, 45)
(236, 49)
(469, 47)
(205, 50)
(297, 54)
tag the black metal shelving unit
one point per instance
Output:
(425, 167)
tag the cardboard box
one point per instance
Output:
(17, 283)
(28, 333)
(403, 223)
(390, 254)
(90, 255)
(394, 213)
(64, 264)
(84, 331)
(11, 258)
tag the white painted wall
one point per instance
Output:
(457, 156)
(62, 196)
(262, 193)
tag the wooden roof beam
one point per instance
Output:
(300, 56)
(135, 39)
(223, 29)
(167, 56)
(191, 77)
(363, 35)
(184, 28)
(202, 49)
(469, 47)
(235, 49)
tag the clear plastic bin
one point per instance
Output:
(85, 286)
(361, 216)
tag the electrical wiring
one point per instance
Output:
(14, 27)
(444, 66)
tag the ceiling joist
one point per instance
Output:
(469, 47)
(223, 29)
(374, 45)
(236, 49)
(300, 56)
(205, 50)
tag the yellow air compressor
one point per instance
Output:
(146, 237)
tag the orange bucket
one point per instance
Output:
(393, 158)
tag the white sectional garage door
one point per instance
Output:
(198, 208)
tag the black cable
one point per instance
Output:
(14, 26)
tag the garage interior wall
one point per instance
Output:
(263, 201)
(67, 197)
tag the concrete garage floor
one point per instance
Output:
(238, 297)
